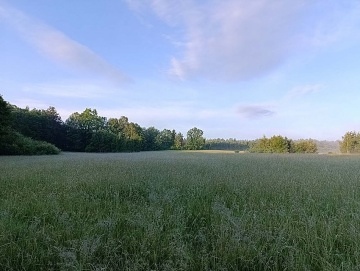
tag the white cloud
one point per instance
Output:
(58, 47)
(241, 39)
(238, 40)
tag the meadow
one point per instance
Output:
(180, 211)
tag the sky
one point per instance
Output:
(233, 68)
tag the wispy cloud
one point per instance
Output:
(58, 47)
(340, 20)
(171, 11)
(241, 39)
(254, 111)
(300, 91)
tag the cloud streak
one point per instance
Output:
(60, 48)
(304, 90)
(254, 111)
(240, 39)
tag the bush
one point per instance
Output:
(305, 146)
(14, 143)
(275, 144)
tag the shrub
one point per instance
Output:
(14, 143)
(305, 146)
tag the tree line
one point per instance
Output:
(280, 144)
(227, 144)
(14, 142)
(25, 131)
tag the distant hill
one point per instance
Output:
(325, 146)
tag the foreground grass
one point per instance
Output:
(180, 211)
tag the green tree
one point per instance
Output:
(80, 128)
(150, 135)
(13, 142)
(103, 141)
(165, 139)
(275, 144)
(133, 137)
(261, 145)
(195, 139)
(179, 142)
(305, 146)
(350, 142)
(5, 116)
(89, 120)
(130, 134)
(118, 126)
(44, 125)
(6, 136)
(279, 144)
(227, 144)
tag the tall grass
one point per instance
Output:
(180, 211)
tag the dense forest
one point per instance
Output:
(38, 131)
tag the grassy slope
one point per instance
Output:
(180, 211)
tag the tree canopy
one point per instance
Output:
(89, 120)
(195, 139)
(280, 144)
(5, 116)
(350, 142)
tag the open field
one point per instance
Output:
(180, 211)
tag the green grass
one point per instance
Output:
(180, 211)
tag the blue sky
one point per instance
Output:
(235, 69)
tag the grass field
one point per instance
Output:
(180, 211)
